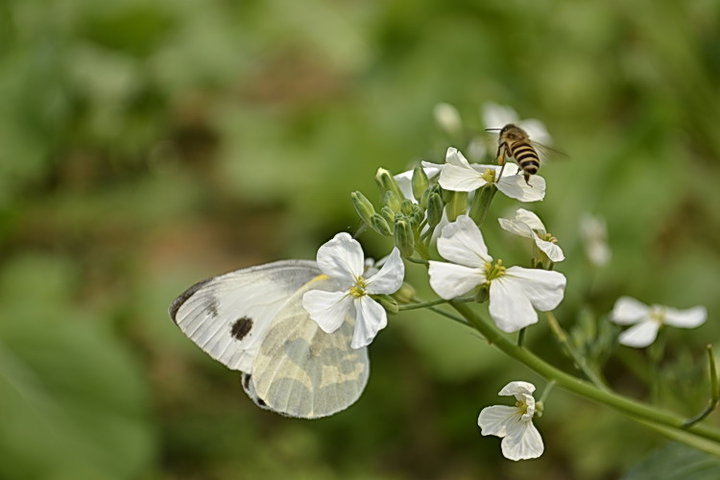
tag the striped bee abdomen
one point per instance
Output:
(526, 156)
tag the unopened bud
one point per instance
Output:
(388, 214)
(406, 294)
(393, 201)
(363, 207)
(379, 224)
(388, 303)
(404, 238)
(456, 205)
(387, 183)
(420, 183)
(406, 207)
(434, 209)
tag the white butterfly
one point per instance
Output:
(252, 320)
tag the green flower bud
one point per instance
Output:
(404, 238)
(434, 209)
(420, 183)
(388, 303)
(387, 183)
(379, 224)
(393, 201)
(388, 214)
(406, 207)
(363, 207)
(456, 205)
(406, 293)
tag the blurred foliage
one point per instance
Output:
(145, 145)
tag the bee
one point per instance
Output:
(515, 143)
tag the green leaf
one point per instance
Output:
(676, 462)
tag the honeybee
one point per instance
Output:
(514, 143)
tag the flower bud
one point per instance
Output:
(406, 294)
(434, 209)
(420, 183)
(404, 238)
(388, 214)
(388, 303)
(363, 207)
(379, 224)
(387, 183)
(406, 207)
(393, 201)
(456, 205)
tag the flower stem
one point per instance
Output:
(414, 306)
(667, 422)
(481, 203)
(570, 351)
(714, 392)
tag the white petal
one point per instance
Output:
(514, 186)
(544, 288)
(494, 420)
(497, 116)
(453, 156)
(517, 388)
(404, 179)
(627, 311)
(342, 259)
(327, 309)
(450, 281)
(462, 242)
(530, 219)
(513, 226)
(390, 277)
(552, 250)
(690, 318)
(510, 308)
(370, 318)
(523, 441)
(460, 178)
(640, 335)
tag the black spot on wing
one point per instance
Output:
(179, 301)
(241, 327)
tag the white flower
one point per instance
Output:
(342, 259)
(448, 118)
(515, 292)
(520, 439)
(497, 116)
(527, 224)
(461, 176)
(647, 320)
(594, 237)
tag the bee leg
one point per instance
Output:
(527, 179)
(500, 158)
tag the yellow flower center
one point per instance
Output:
(493, 271)
(547, 237)
(358, 290)
(658, 315)
(489, 175)
(522, 407)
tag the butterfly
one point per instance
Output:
(252, 320)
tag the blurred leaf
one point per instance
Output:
(676, 462)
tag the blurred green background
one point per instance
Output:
(145, 145)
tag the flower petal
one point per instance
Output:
(689, 318)
(517, 388)
(460, 178)
(497, 116)
(494, 420)
(640, 335)
(450, 281)
(390, 277)
(510, 308)
(515, 227)
(544, 288)
(514, 186)
(627, 311)
(462, 242)
(536, 131)
(530, 219)
(328, 309)
(341, 259)
(370, 318)
(552, 250)
(523, 441)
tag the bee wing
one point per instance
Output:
(544, 152)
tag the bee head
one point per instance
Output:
(512, 132)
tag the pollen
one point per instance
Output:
(494, 270)
(547, 237)
(489, 175)
(358, 290)
(522, 407)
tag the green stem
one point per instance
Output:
(632, 408)
(570, 351)
(414, 306)
(481, 203)
(714, 392)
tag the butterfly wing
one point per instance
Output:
(228, 316)
(301, 371)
